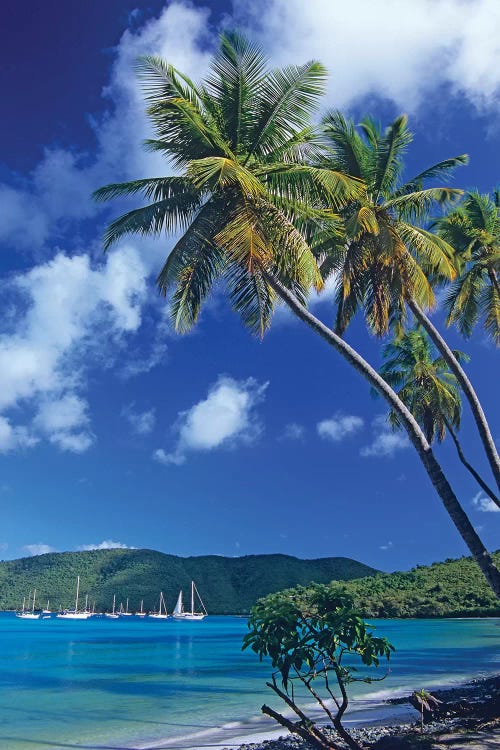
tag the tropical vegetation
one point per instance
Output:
(271, 206)
(318, 645)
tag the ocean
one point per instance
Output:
(132, 683)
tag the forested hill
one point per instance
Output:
(455, 588)
(227, 584)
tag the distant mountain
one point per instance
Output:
(227, 584)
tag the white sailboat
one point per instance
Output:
(25, 614)
(74, 614)
(180, 613)
(113, 615)
(162, 613)
(126, 613)
(47, 610)
(141, 613)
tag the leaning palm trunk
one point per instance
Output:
(417, 437)
(465, 384)
(469, 466)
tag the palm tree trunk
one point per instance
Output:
(466, 385)
(417, 437)
(469, 467)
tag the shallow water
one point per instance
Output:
(134, 683)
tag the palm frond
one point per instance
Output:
(287, 98)
(219, 172)
(152, 188)
(462, 300)
(442, 171)
(389, 150)
(434, 252)
(236, 74)
(415, 206)
(489, 303)
(347, 150)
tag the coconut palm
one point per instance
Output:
(388, 261)
(474, 231)
(429, 390)
(245, 200)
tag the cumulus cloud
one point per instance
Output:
(404, 50)
(54, 309)
(339, 427)
(484, 504)
(226, 417)
(38, 549)
(141, 422)
(385, 442)
(387, 546)
(106, 544)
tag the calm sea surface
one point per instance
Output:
(131, 683)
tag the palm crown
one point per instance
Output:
(474, 230)
(240, 141)
(385, 256)
(423, 382)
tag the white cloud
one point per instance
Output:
(387, 546)
(404, 50)
(106, 544)
(62, 309)
(385, 442)
(38, 549)
(65, 422)
(484, 504)
(225, 417)
(293, 431)
(142, 423)
(339, 427)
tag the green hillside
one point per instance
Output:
(227, 584)
(455, 588)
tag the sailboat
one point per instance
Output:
(162, 613)
(141, 613)
(47, 610)
(74, 614)
(114, 615)
(126, 613)
(25, 613)
(180, 613)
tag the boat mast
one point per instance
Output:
(114, 603)
(34, 595)
(192, 597)
(77, 593)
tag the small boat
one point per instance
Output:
(47, 610)
(74, 614)
(126, 613)
(141, 613)
(113, 615)
(162, 613)
(180, 613)
(25, 614)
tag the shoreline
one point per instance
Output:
(369, 720)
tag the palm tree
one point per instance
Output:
(386, 261)
(244, 199)
(474, 231)
(430, 391)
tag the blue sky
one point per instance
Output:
(114, 431)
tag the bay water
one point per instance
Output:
(137, 683)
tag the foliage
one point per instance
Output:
(474, 230)
(386, 255)
(423, 382)
(240, 140)
(454, 588)
(227, 584)
(425, 702)
(313, 636)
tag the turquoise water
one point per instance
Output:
(132, 683)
